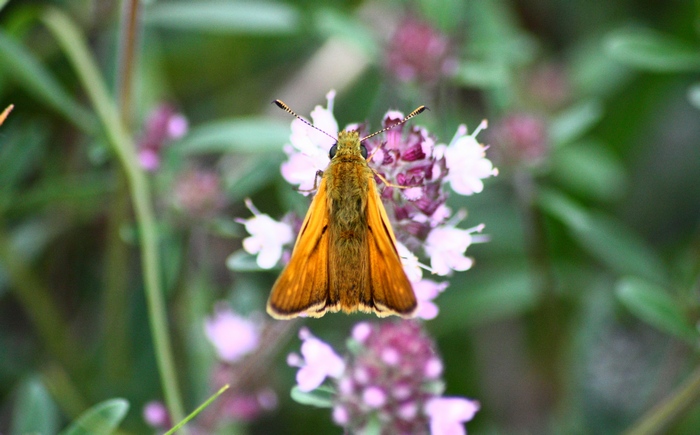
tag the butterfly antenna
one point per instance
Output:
(286, 108)
(416, 112)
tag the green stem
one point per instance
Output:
(74, 45)
(116, 281)
(665, 413)
(36, 300)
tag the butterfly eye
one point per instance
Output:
(363, 151)
(333, 150)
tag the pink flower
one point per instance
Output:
(467, 163)
(427, 290)
(156, 415)
(163, 125)
(446, 245)
(233, 336)
(319, 361)
(267, 237)
(308, 152)
(448, 414)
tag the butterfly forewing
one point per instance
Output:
(392, 292)
(303, 285)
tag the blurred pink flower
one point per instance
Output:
(426, 291)
(163, 125)
(155, 414)
(319, 362)
(467, 163)
(446, 245)
(448, 414)
(267, 237)
(419, 52)
(233, 336)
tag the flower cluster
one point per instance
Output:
(163, 125)
(390, 383)
(404, 156)
(419, 52)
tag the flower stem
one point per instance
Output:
(116, 281)
(73, 44)
(662, 415)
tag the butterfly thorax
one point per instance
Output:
(347, 176)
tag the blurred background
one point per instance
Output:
(139, 128)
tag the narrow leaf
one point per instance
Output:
(646, 49)
(34, 410)
(252, 135)
(655, 306)
(102, 419)
(225, 17)
(574, 122)
(39, 81)
(320, 397)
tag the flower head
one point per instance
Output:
(163, 125)
(521, 138)
(233, 336)
(392, 377)
(419, 52)
(267, 237)
(198, 193)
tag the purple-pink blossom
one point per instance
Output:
(233, 336)
(267, 237)
(448, 414)
(318, 361)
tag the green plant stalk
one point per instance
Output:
(76, 49)
(38, 304)
(116, 282)
(659, 418)
(199, 409)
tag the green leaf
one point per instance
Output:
(241, 261)
(497, 296)
(38, 81)
(331, 22)
(482, 74)
(604, 237)
(574, 122)
(103, 418)
(259, 17)
(647, 49)
(655, 306)
(320, 397)
(20, 152)
(34, 411)
(249, 175)
(589, 169)
(252, 135)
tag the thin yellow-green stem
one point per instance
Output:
(659, 418)
(73, 44)
(199, 409)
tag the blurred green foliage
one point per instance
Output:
(579, 316)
